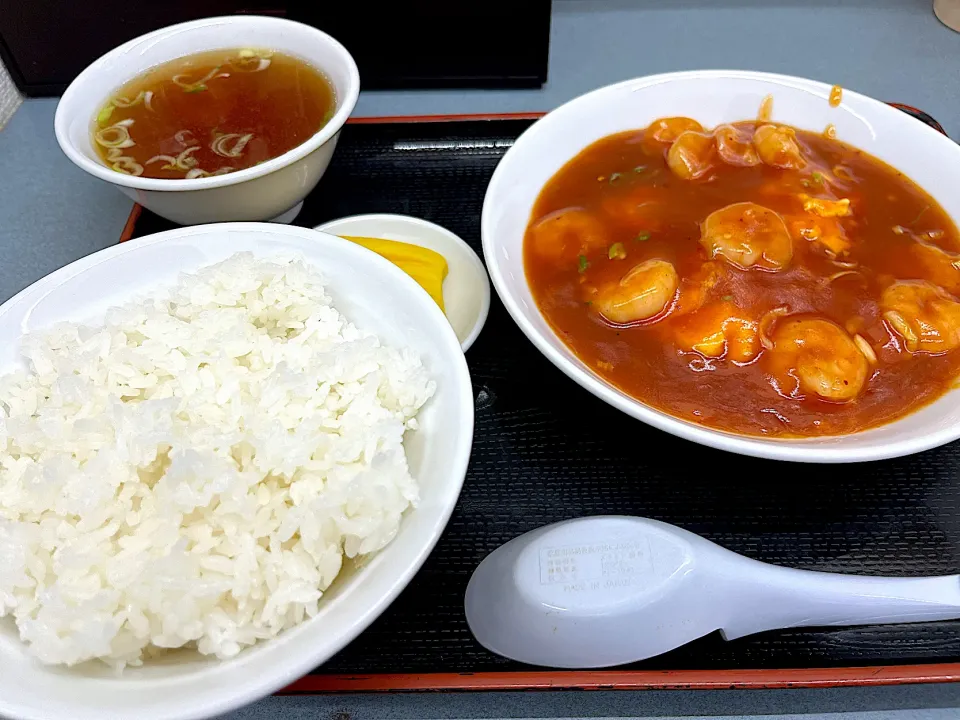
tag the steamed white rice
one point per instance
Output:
(194, 472)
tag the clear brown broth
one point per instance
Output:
(197, 99)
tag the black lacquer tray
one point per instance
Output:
(546, 450)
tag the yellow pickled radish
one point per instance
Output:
(426, 266)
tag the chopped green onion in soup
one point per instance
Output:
(213, 113)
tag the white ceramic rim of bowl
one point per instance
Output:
(291, 667)
(334, 227)
(345, 107)
(809, 450)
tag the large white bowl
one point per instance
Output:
(263, 192)
(713, 97)
(375, 295)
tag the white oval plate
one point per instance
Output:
(372, 293)
(466, 289)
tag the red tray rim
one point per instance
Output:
(746, 679)
(607, 679)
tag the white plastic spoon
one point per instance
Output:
(602, 591)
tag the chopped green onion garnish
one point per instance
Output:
(582, 263)
(640, 168)
(727, 298)
(818, 178)
(104, 115)
(614, 177)
(617, 252)
(643, 236)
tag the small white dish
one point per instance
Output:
(372, 293)
(466, 289)
(713, 97)
(273, 190)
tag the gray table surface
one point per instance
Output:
(51, 214)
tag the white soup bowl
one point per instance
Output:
(264, 192)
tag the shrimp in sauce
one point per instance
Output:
(755, 278)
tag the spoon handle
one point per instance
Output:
(782, 598)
